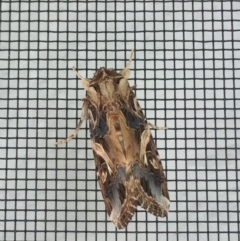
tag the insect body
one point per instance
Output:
(129, 169)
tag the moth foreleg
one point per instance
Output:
(157, 127)
(84, 116)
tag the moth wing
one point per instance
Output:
(148, 179)
(119, 201)
(150, 185)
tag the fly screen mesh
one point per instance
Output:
(186, 66)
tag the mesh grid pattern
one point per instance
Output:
(186, 67)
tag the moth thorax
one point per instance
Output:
(111, 106)
(107, 89)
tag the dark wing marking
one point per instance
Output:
(132, 120)
(101, 129)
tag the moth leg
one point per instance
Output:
(126, 72)
(85, 81)
(84, 116)
(157, 127)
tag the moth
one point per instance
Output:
(129, 169)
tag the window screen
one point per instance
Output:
(186, 68)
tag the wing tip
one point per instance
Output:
(150, 204)
(128, 209)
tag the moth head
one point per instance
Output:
(106, 84)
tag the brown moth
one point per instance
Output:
(129, 169)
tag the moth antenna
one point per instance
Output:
(130, 59)
(85, 81)
(84, 116)
(126, 72)
(157, 127)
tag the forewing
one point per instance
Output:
(150, 186)
(149, 181)
(119, 201)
